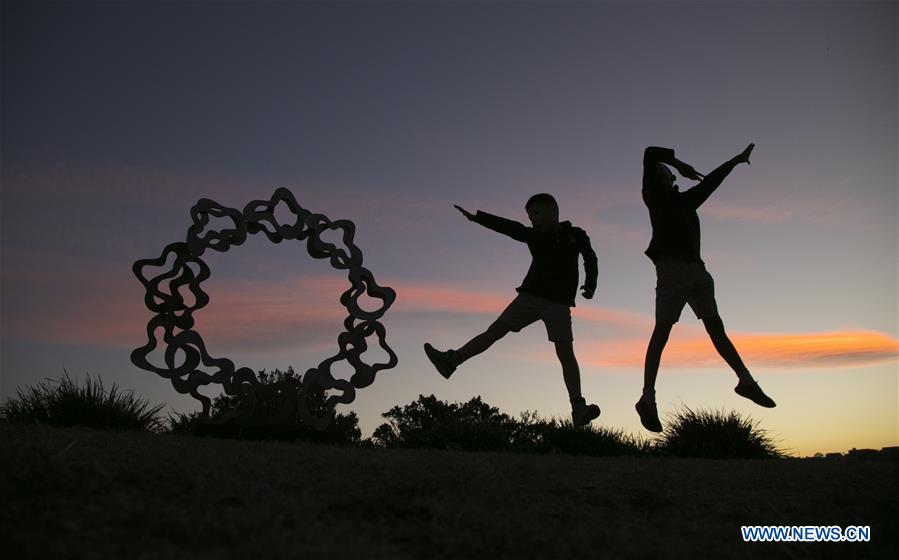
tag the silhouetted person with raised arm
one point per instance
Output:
(546, 294)
(681, 276)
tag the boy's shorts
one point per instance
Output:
(526, 309)
(679, 282)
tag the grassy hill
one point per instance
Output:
(80, 493)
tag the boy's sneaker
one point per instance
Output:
(442, 360)
(649, 416)
(752, 391)
(583, 413)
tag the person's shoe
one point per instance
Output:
(752, 391)
(583, 413)
(442, 360)
(649, 416)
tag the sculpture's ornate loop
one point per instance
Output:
(186, 361)
(365, 373)
(363, 282)
(218, 240)
(259, 212)
(170, 302)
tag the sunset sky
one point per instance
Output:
(117, 117)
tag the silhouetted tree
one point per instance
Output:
(429, 422)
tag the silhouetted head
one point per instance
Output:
(543, 210)
(664, 176)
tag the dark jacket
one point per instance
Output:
(675, 224)
(554, 266)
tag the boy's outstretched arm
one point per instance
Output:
(701, 192)
(590, 267)
(513, 229)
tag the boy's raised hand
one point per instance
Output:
(743, 157)
(465, 212)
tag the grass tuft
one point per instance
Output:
(64, 402)
(715, 434)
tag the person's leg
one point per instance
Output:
(715, 327)
(556, 318)
(581, 412)
(447, 362)
(646, 405)
(672, 288)
(702, 300)
(747, 386)
(672, 291)
(657, 343)
(515, 317)
(703, 303)
(571, 373)
(480, 343)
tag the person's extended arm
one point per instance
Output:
(590, 268)
(513, 229)
(701, 192)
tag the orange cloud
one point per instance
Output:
(437, 297)
(98, 302)
(792, 351)
(423, 296)
(101, 304)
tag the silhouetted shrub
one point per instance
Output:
(715, 435)
(64, 402)
(477, 426)
(429, 422)
(527, 434)
(276, 387)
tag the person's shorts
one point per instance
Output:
(526, 309)
(680, 282)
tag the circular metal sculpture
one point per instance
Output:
(185, 353)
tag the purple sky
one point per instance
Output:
(117, 117)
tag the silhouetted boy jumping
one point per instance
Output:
(547, 293)
(680, 273)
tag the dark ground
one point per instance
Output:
(79, 493)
